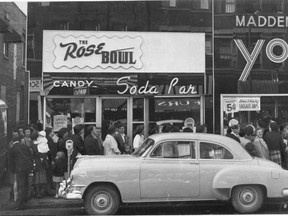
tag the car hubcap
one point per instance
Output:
(102, 201)
(248, 196)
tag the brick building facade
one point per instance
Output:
(14, 82)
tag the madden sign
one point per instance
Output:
(95, 52)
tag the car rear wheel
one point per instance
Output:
(102, 200)
(247, 198)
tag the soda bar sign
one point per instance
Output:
(95, 52)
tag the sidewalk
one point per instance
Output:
(45, 202)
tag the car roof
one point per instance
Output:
(238, 151)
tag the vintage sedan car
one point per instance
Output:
(173, 167)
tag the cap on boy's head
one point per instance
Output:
(42, 133)
(234, 124)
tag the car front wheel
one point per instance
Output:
(102, 200)
(247, 198)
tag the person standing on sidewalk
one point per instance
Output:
(21, 162)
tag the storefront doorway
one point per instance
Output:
(113, 109)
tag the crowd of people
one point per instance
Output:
(265, 140)
(38, 159)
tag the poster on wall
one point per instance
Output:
(249, 104)
(59, 121)
(77, 120)
(230, 105)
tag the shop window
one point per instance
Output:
(229, 6)
(223, 56)
(173, 109)
(248, 6)
(65, 112)
(138, 109)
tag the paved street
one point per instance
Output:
(51, 206)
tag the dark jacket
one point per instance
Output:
(274, 141)
(120, 142)
(92, 146)
(20, 157)
(60, 167)
(233, 137)
(62, 145)
(78, 143)
(53, 147)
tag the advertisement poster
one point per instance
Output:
(59, 121)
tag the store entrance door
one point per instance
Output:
(114, 109)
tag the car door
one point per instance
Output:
(170, 172)
(213, 157)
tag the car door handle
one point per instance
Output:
(194, 162)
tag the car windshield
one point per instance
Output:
(148, 143)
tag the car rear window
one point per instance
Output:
(214, 151)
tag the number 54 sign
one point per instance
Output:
(231, 105)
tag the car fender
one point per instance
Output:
(228, 178)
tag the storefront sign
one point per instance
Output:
(72, 83)
(59, 121)
(154, 89)
(251, 57)
(95, 52)
(261, 21)
(179, 104)
(249, 104)
(232, 105)
(133, 52)
(35, 85)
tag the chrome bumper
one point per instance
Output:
(69, 191)
(285, 192)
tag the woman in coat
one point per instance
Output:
(260, 145)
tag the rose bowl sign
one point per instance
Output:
(95, 52)
(123, 52)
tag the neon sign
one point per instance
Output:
(251, 57)
(154, 89)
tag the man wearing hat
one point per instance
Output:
(235, 129)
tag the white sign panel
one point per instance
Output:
(95, 52)
(133, 52)
(231, 105)
(249, 104)
(60, 121)
(35, 86)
